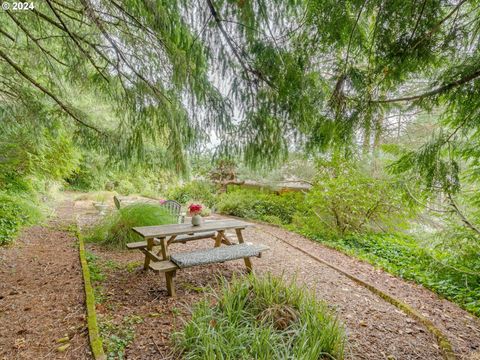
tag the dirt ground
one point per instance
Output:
(41, 294)
(136, 302)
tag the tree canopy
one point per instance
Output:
(266, 76)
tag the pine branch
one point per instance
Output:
(434, 92)
(351, 34)
(418, 20)
(227, 38)
(70, 34)
(246, 68)
(3, 32)
(138, 22)
(12, 95)
(464, 219)
(30, 36)
(62, 105)
(118, 51)
(437, 26)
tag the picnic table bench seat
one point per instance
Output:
(216, 255)
(208, 256)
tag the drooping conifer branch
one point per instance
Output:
(442, 89)
(44, 90)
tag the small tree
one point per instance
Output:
(225, 173)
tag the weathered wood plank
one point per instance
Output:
(163, 266)
(151, 255)
(177, 239)
(186, 238)
(218, 239)
(181, 229)
(141, 244)
(170, 278)
(148, 250)
(164, 249)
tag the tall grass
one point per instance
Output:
(115, 230)
(261, 318)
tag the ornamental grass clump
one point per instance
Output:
(261, 318)
(115, 230)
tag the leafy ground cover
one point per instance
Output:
(261, 318)
(403, 256)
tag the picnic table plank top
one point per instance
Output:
(180, 229)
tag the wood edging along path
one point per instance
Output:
(92, 324)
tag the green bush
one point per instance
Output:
(261, 318)
(115, 230)
(260, 205)
(193, 191)
(15, 212)
(346, 199)
(95, 172)
(12, 184)
(125, 187)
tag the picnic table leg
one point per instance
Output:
(170, 279)
(169, 276)
(218, 238)
(149, 248)
(248, 262)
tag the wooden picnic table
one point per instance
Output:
(165, 235)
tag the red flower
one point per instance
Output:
(195, 209)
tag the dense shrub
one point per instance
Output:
(346, 199)
(261, 205)
(261, 318)
(94, 172)
(193, 191)
(115, 230)
(15, 212)
(11, 183)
